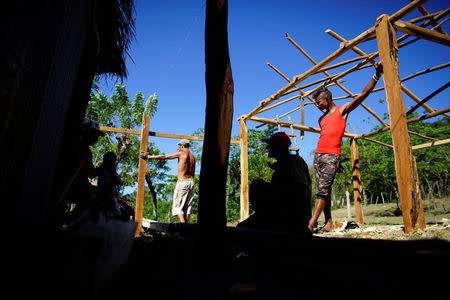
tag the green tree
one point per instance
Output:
(377, 163)
(122, 112)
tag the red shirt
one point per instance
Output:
(333, 127)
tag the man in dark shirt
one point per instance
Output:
(284, 203)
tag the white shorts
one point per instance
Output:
(182, 197)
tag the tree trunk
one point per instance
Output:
(218, 119)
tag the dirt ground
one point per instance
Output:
(384, 221)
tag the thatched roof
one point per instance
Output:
(115, 24)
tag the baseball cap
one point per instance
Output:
(279, 138)
(92, 127)
(184, 142)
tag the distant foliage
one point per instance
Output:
(120, 111)
(377, 164)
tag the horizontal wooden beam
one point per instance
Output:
(413, 120)
(430, 17)
(424, 100)
(379, 143)
(295, 126)
(120, 130)
(427, 145)
(299, 78)
(159, 134)
(423, 33)
(426, 13)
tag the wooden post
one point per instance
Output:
(417, 215)
(244, 171)
(388, 49)
(218, 119)
(141, 177)
(347, 196)
(302, 117)
(356, 182)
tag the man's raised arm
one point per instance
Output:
(350, 106)
(144, 155)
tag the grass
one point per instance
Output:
(387, 213)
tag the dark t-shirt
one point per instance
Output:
(293, 202)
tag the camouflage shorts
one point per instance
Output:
(325, 168)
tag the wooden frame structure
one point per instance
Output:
(145, 134)
(384, 32)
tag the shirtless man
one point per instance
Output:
(328, 152)
(184, 190)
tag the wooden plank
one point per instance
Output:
(218, 119)
(356, 182)
(182, 136)
(141, 175)
(387, 46)
(417, 216)
(422, 33)
(159, 134)
(427, 145)
(244, 207)
(120, 130)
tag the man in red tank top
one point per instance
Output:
(328, 152)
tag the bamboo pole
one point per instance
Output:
(159, 134)
(422, 33)
(360, 52)
(337, 83)
(404, 79)
(432, 144)
(366, 35)
(405, 10)
(433, 22)
(412, 120)
(362, 56)
(287, 79)
(295, 126)
(302, 117)
(377, 142)
(431, 17)
(301, 77)
(411, 110)
(356, 182)
(141, 175)
(387, 46)
(244, 207)
(422, 136)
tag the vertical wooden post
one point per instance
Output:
(388, 49)
(141, 176)
(302, 117)
(244, 171)
(417, 214)
(218, 119)
(356, 182)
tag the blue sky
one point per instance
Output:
(168, 58)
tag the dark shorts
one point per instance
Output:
(325, 168)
